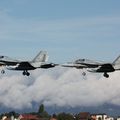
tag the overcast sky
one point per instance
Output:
(67, 30)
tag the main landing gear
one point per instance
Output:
(106, 75)
(26, 73)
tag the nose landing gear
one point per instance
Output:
(84, 73)
(2, 71)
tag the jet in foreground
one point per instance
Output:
(38, 62)
(93, 66)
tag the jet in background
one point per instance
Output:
(96, 67)
(40, 61)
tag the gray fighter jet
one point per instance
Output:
(40, 61)
(96, 67)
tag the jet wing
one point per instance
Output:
(28, 66)
(103, 68)
(25, 66)
(83, 63)
(4, 60)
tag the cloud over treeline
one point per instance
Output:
(60, 87)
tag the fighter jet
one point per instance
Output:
(94, 66)
(40, 61)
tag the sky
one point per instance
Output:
(67, 30)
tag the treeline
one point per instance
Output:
(42, 113)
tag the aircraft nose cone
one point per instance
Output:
(1, 57)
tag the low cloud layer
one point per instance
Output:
(60, 87)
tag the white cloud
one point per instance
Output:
(66, 87)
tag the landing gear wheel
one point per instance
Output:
(106, 75)
(24, 73)
(84, 73)
(3, 71)
(27, 73)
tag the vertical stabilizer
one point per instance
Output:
(116, 63)
(41, 57)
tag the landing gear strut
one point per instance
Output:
(106, 75)
(26, 73)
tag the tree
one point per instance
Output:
(42, 113)
(41, 109)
